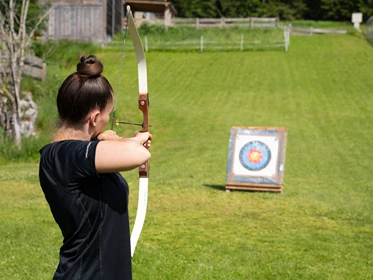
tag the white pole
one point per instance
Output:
(201, 45)
(288, 36)
(146, 44)
(241, 42)
(285, 40)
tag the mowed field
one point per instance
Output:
(320, 227)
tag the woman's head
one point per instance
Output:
(84, 91)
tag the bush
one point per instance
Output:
(10, 153)
(63, 52)
(58, 55)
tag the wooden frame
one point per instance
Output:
(256, 159)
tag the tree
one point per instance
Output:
(16, 35)
(285, 9)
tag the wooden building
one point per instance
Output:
(85, 20)
(99, 20)
(164, 11)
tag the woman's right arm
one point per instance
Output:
(115, 154)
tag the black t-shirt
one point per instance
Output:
(91, 210)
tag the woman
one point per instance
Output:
(79, 177)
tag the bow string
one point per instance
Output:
(143, 105)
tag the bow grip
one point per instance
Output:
(143, 106)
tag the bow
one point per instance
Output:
(143, 103)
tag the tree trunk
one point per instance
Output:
(16, 69)
(16, 129)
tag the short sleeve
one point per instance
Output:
(69, 161)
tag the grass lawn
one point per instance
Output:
(320, 227)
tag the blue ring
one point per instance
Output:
(251, 165)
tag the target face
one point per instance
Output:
(256, 158)
(255, 155)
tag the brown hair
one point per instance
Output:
(83, 91)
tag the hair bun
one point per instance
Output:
(90, 66)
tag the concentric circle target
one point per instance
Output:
(255, 155)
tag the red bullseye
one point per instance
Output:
(254, 155)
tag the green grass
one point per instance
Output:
(320, 227)
(319, 24)
(214, 39)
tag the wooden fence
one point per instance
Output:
(252, 22)
(226, 22)
(33, 67)
(310, 31)
(202, 44)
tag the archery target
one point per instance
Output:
(255, 155)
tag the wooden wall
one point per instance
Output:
(95, 21)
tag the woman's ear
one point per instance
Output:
(94, 117)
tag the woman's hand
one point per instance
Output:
(108, 135)
(143, 138)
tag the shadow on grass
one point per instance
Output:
(222, 188)
(215, 187)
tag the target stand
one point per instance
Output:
(256, 159)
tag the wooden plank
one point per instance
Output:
(34, 61)
(248, 188)
(33, 66)
(310, 31)
(184, 20)
(265, 19)
(226, 22)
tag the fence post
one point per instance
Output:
(286, 38)
(201, 44)
(241, 42)
(251, 22)
(197, 23)
(146, 44)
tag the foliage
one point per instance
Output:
(154, 29)
(44, 95)
(285, 9)
(10, 153)
(58, 55)
(34, 13)
(63, 53)
(16, 33)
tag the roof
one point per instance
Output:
(71, 1)
(151, 6)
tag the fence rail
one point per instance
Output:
(226, 22)
(239, 43)
(310, 31)
(252, 22)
